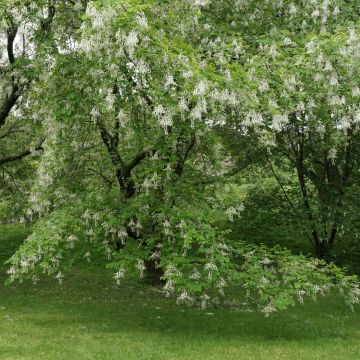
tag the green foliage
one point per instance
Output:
(132, 101)
(91, 318)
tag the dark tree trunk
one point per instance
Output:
(306, 202)
(321, 249)
(153, 273)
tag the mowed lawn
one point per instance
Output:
(90, 318)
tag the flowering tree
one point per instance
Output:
(28, 37)
(132, 167)
(301, 61)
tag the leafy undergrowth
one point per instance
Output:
(88, 317)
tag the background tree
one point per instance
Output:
(301, 62)
(31, 37)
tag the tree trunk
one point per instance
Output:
(321, 249)
(153, 273)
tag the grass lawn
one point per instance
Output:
(89, 318)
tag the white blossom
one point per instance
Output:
(230, 212)
(59, 277)
(355, 91)
(200, 88)
(184, 297)
(183, 106)
(268, 309)
(119, 275)
(169, 81)
(141, 267)
(332, 155)
(292, 9)
(164, 117)
(87, 256)
(333, 80)
(210, 266)
(71, 240)
(279, 121)
(188, 74)
(328, 66)
(142, 20)
(220, 285)
(253, 118)
(300, 296)
(263, 86)
(169, 287)
(195, 275)
(204, 300)
(201, 2)
(131, 42)
(122, 235)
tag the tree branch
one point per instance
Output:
(19, 156)
(11, 99)
(8, 104)
(110, 144)
(179, 167)
(136, 160)
(107, 181)
(279, 182)
(11, 35)
(45, 24)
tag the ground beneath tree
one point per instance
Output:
(90, 318)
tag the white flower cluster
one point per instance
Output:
(204, 299)
(59, 277)
(151, 183)
(300, 295)
(140, 266)
(201, 88)
(195, 275)
(199, 110)
(171, 272)
(201, 2)
(131, 42)
(353, 296)
(46, 258)
(87, 256)
(119, 275)
(253, 119)
(210, 267)
(70, 241)
(224, 97)
(234, 211)
(100, 18)
(135, 226)
(142, 20)
(184, 298)
(164, 117)
(321, 289)
(279, 121)
(269, 309)
(169, 287)
(122, 235)
(220, 285)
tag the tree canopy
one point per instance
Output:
(127, 125)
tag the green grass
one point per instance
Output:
(89, 318)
